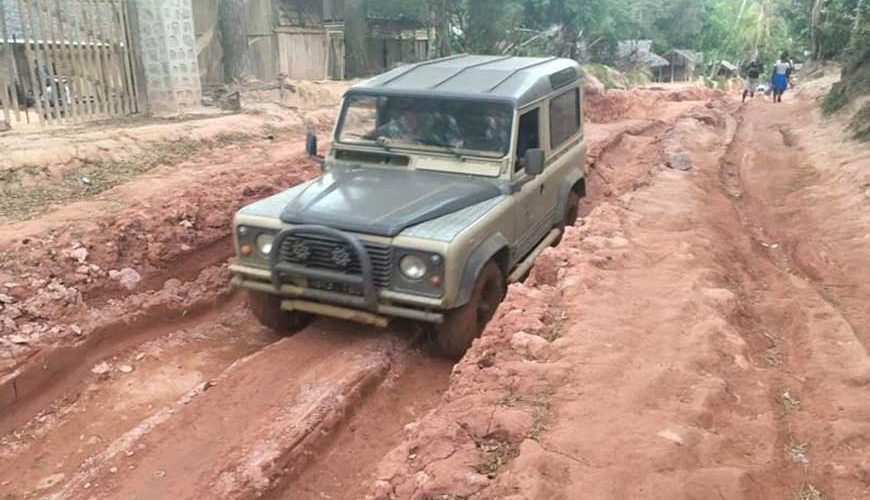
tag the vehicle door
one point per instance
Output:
(565, 148)
(535, 194)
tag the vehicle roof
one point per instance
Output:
(519, 80)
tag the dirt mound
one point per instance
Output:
(652, 354)
(612, 105)
(53, 282)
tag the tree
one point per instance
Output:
(355, 36)
(234, 40)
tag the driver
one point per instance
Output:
(427, 128)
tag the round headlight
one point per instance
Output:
(412, 267)
(264, 243)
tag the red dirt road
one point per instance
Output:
(701, 334)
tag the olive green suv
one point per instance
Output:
(444, 182)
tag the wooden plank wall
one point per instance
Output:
(302, 53)
(209, 52)
(65, 61)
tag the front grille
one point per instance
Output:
(323, 252)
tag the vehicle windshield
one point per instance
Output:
(470, 127)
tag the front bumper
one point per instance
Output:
(387, 304)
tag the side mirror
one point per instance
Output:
(535, 161)
(311, 147)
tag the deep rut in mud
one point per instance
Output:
(811, 342)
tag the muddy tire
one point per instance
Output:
(461, 326)
(569, 218)
(267, 310)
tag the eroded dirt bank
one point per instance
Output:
(664, 350)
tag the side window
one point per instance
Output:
(564, 117)
(528, 136)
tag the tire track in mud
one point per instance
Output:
(799, 334)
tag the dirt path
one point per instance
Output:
(669, 348)
(649, 356)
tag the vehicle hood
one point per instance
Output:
(383, 202)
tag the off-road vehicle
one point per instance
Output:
(444, 182)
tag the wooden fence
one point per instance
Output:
(64, 61)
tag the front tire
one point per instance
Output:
(267, 309)
(461, 326)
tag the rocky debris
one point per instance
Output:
(128, 278)
(19, 339)
(125, 368)
(50, 481)
(79, 254)
(102, 368)
(680, 161)
(530, 346)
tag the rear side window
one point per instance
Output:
(564, 117)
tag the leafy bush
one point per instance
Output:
(861, 123)
(600, 72)
(835, 100)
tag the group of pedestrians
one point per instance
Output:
(779, 77)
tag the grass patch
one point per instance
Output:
(637, 78)
(28, 191)
(809, 492)
(860, 124)
(498, 454)
(790, 403)
(602, 73)
(835, 100)
(540, 409)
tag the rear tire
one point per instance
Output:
(461, 326)
(267, 309)
(569, 218)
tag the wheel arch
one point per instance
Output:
(495, 247)
(575, 182)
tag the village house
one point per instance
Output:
(683, 65)
(638, 55)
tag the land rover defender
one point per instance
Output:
(444, 182)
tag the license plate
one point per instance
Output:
(331, 286)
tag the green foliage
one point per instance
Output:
(861, 123)
(734, 30)
(398, 9)
(600, 72)
(637, 78)
(835, 100)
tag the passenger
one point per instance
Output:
(497, 132)
(779, 78)
(753, 71)
(405, 128)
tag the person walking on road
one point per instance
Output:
(779, 78)
(753, 71)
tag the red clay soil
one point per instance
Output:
(55, 283)
(697, 335)
(661, 351)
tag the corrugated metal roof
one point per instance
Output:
(728, 65)
(689, 55)
(640, 51)
(518, 79)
